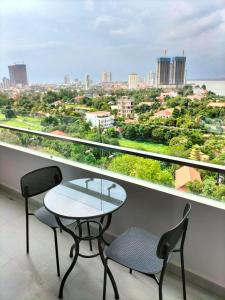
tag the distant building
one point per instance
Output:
(59, 132)
(163, 71)
(216, 104)
(132, 81)
(87, 82)
(18, 74)
(178, 70)
(166, 113)
(151, 78)
(67, 79)
(78, 99)
(106, 77)
(170, 94)
(125, 107)
(100, 118)
(5, 83)
(171, 71)
(185, 175)
(148, 103)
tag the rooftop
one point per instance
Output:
(185, 175)
(59, 132)
(98, 114)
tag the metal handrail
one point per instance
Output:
(140, 153)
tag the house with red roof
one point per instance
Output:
(185, 175)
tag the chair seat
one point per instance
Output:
(136, 249)
(49, 219)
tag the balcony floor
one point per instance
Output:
(34, 277)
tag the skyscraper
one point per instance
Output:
(67, 79)
(87, 81)
(132, 81)
(163, 71)
(18, 74)
(151, 78)
(5, 83)
(106, 77)
(178, 70)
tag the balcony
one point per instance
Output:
(149, 205)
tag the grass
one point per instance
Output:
(32, 123)
(145, 146)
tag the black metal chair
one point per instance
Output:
(35, 183)
(146, 253)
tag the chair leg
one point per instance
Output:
(105, 278)
(89, 233)
(56, 252)
(130, 271)
(183, 274)
(27, 227)
(161, 279)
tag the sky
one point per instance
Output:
(76, 37)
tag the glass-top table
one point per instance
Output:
(85, 198)
(88, 201)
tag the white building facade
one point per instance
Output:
(100, 118)
(125, 107)
(132, 81)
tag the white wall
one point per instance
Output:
(151, 209)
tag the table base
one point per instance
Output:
(76, 247)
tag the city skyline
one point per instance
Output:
(87, 37)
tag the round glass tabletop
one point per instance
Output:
(85, 198)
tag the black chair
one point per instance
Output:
(35, 183)
(146, 253)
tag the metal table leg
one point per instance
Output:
(76, 243)
(76, 247)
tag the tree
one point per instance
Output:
(9, 114)
(196, 187)
(176, 113)
(47, 121)
(112, 133)
(142, 108)
(158, 134)
(130, 132)
(142, 168)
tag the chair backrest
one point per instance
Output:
(169, 240)
(40, 181)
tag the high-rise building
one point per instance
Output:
(5, 83)
(178, 70)
(151, 78)
(163, 71)
(18, 74)
(106, 77)
(132, 81)
(87, 81)
(67, 79)
(125, 107)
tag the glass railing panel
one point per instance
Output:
(183, 175)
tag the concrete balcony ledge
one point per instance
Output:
(153, 207)
(121, 177)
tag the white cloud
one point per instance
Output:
(89, 5)
(113, 32)
(14, 6)
(34, 46)
(102, 20)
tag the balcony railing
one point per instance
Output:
(112, 149)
